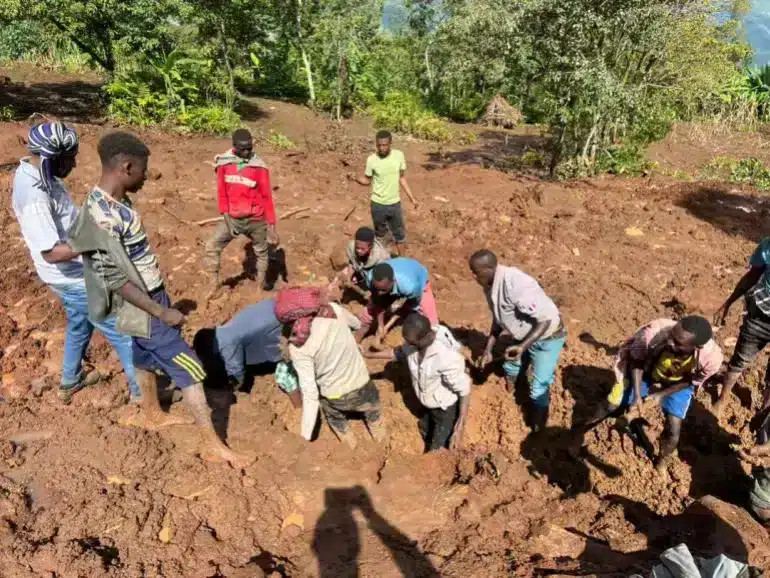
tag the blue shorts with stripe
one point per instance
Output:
(166, 351)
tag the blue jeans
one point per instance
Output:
(79, 330)
(543, 356)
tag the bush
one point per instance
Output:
(214, 119)
(6, 114)
(179, 90)
(404, 113)
(280, 141)
(622, 160)
(750, 170)
(135, 103)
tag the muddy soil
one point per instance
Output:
(83, 495)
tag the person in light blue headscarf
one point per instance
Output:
(57, 146)
(45, 212)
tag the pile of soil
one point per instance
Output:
(83, 495)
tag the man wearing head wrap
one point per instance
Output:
(45, 212)
(664, 361)
(332, 373)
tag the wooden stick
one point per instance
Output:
(217, 219)
(350, 212)
(208, 221)
(293, 212)
(174, 215)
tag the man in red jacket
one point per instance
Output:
(246, 203)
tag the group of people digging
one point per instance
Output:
(99, 262)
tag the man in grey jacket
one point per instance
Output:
(122, 274)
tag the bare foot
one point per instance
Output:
(156, 420)
(378, 430)
(219, 452)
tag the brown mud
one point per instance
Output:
(82, 495)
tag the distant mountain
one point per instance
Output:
(393, 14)
(757, 28)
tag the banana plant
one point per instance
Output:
(173, 68)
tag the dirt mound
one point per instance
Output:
(501, 114)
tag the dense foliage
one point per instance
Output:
(605, 78)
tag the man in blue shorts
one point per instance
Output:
(120, 263)
(664, 361)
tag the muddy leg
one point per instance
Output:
(213, 255)
(338, 422)
(151, 416)
(214, 449)
(668, 441)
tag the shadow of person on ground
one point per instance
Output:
(219, 394)
(715, 466)
(704, 532)
(476, 342)
(589, 339)
(249, 264)
(337, 542)
(738, 215)
(548, 450)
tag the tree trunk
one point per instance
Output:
(304, 54)
(428, 72)
(557, 149)
(228, 64)
(107, 62)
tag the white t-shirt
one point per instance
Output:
(45, 219)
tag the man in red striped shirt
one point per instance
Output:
(246, 203)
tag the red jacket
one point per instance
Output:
(245, 193)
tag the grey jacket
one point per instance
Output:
(107, 268)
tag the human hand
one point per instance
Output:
(721, 315)
(272, 237)
(456, 441)
(514, 353)
(172, 317)
(484, 359)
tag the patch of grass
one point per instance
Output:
(6, 114)
(280, 141)
(213, 119)
(404, 113)
(533, 158)
(466, 138)
(748, 170)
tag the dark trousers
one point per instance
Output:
(389, 218)
(753, 338)
(436, 426)
(361, 402)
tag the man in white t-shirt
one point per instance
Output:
(45, 212)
